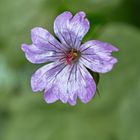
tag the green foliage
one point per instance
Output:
(112, 116)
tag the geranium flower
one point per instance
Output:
(66, 76)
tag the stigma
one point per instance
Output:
(71, 56)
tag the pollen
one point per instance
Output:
(71, 56)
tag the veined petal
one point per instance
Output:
(36, 55)
(45, 47)
(68, 83)
(51, 96)
(87, 85)
(71, 29)
(96, 55)
(42, 76)
(44, 40)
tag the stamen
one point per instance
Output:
(71, 56)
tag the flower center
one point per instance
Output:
(71, 56)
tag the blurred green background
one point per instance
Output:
(113, 116)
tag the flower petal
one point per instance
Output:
(68, 83)
(70, 30)
(87, 85)
(41, 77)
(96, 55)
(35, 55)
(51, 96)
(45, 47)
(44, 40)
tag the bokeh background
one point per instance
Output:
(115, 115)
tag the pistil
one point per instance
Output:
(71, 56)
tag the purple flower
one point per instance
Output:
(66, 77)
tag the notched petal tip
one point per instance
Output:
(113, 48)
(104, 45)
(97, 56)
(50, 97)
(38, 80)
(72, 100)
(72, 103)
(82, 14)
(66, 12)
(24, 47)
(71, 29)
(87, 99)
(36, 33)
(37, 29)
(34, 84)
(116, 49)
